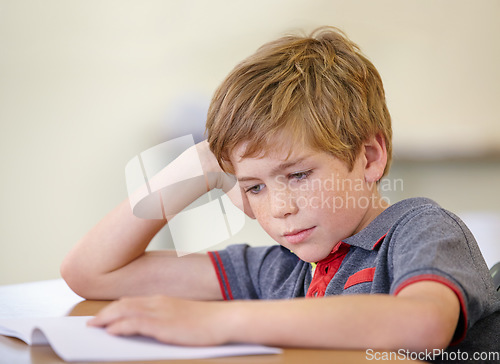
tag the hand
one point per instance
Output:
(169, 320)
(174, 187)
(217, 178)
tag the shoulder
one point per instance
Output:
(428, 223)
(422, 210)
(407, 217)
(428, 242)
(425, 227)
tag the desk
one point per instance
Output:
(54, 298)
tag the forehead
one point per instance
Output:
(279, 152)
(269, 160)
(277, 145)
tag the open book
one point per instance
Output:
(73, 340)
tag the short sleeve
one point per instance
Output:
(270, 272)
(433, 244)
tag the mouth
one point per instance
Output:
(299, 235)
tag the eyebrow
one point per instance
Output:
(276, 170)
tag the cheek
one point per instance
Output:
(314, 200)
(260, 212)
(262, 215)
(266, 225)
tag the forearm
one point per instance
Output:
(114, 242)
(423, 316)
(114, 249)
(346, 322)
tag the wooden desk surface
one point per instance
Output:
(54, 298)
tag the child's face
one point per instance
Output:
(307, 201)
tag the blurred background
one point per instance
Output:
(87, 85)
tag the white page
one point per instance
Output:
(73, 340)
(19, 328)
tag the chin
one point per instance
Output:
(310, 257)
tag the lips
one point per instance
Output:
(299, 235)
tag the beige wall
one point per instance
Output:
(86, 85)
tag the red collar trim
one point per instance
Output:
(379, 241)
(326, 269)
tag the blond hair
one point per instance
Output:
(318, 89)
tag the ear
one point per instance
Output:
(375, 153)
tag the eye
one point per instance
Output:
(299, 176)
(255, 189)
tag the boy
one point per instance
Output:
(303, 126)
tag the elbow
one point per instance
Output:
(75, 278)
(85, 282)
(71, 276)
(432, 331)
(434, 337)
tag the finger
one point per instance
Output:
(143, 326)
(110, 313)
(126, 326)
(240, 200)
(102, 319)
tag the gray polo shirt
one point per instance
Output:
(413, 240)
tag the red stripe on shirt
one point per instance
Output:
(217, 273)
(221, 275)
(364, 275)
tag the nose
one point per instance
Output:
(283, 204)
